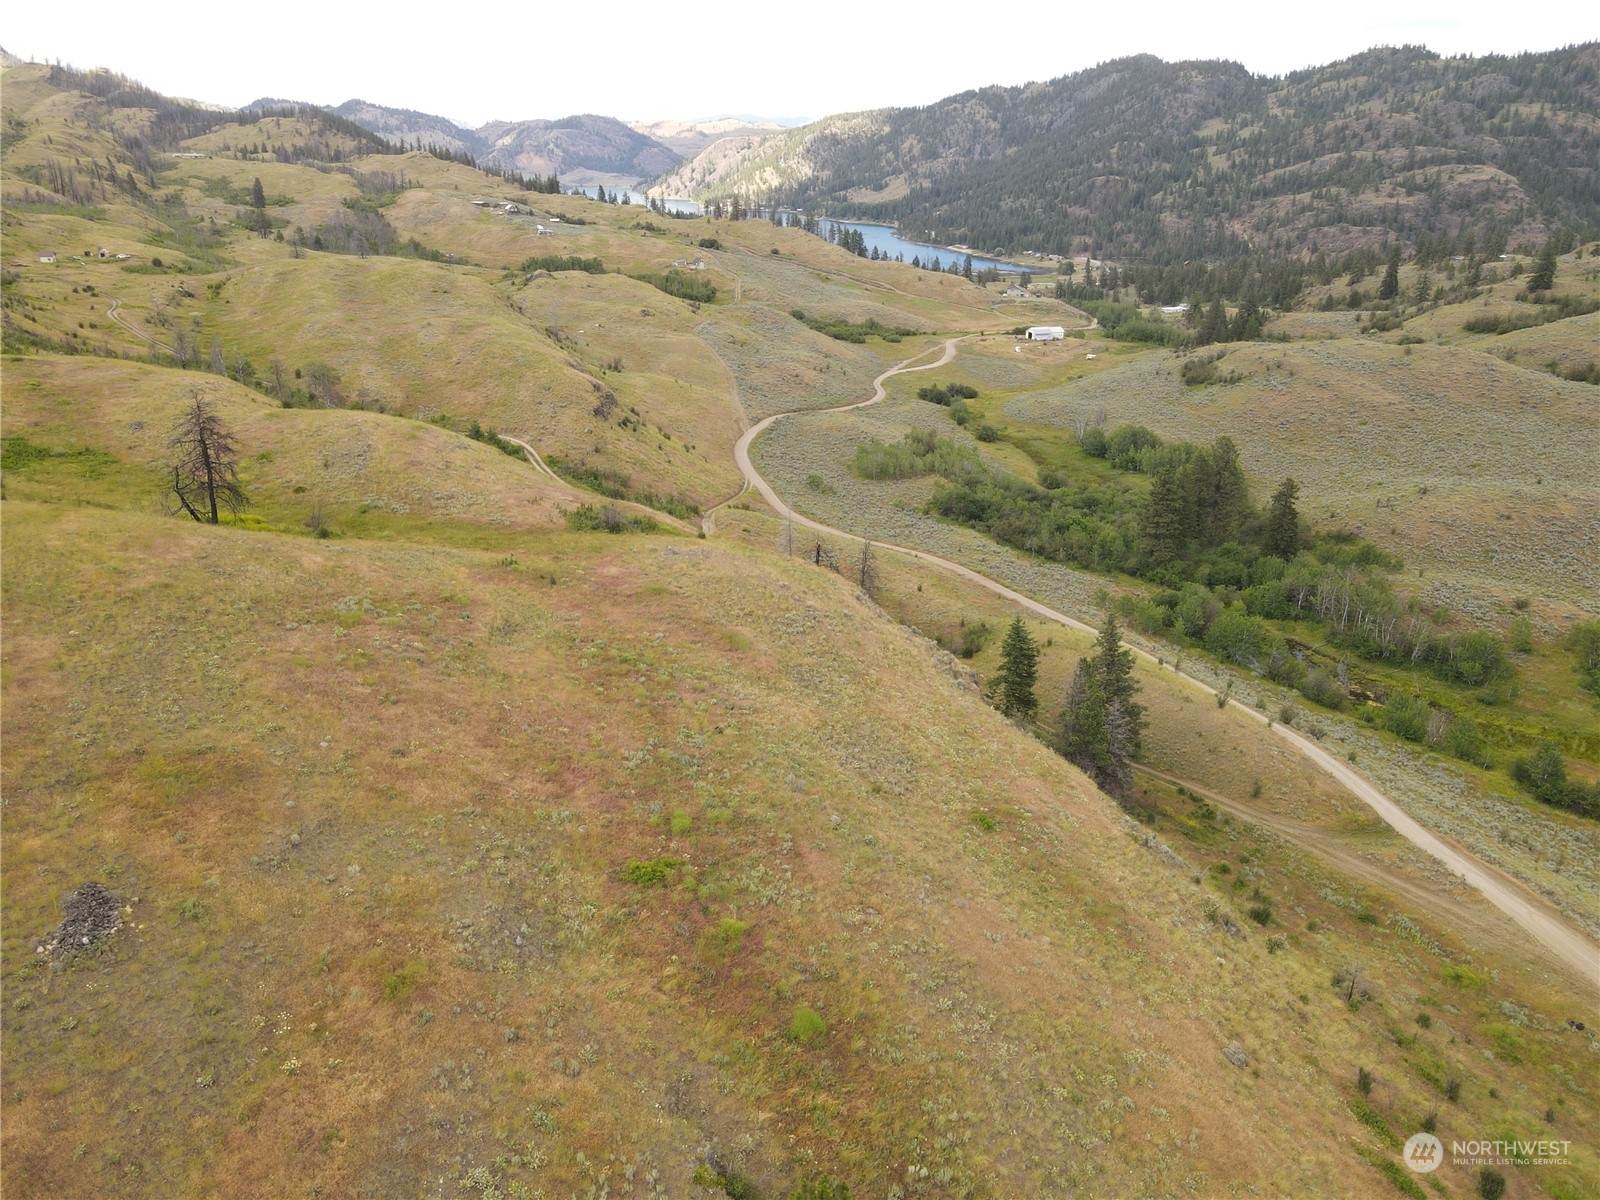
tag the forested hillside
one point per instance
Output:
(1145, 159)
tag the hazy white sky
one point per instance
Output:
(515, 59)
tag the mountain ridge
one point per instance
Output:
(1140, 158)
(579, 145)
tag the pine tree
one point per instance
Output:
(1224, 509)
(1390, 287)
(1019, 671)
(1099, 729)
(1246, 323)
(1163, 524)
(1544, 271)
(1215, 326)
(259, 221)
(1083, 721)
(1113, 672)
(1283, 522)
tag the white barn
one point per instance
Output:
(1046, 333)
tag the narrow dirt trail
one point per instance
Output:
(1473, 922)
(1507, 894)
(114, 313)
(533, 456)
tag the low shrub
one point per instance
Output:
(653, 872)
(609, 519)
(807, 1025)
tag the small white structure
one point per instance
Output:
(1046, 333)
(122, 256)
(47, 257)
(1175, 309)
(1014, 291)
(542, 231)
(481, 203)
(102, 253)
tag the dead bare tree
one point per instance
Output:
(205, 467)
(788, 536)
(869, 579)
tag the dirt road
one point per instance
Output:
(1508, 895)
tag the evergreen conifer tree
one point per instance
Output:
(1544, 270)
(1390, 287)
(1113, 670)
(1163, 524)
(1019, 671)
(1102, 723)
(1283, 522)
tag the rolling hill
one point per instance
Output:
(460, 819)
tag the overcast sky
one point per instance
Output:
(495, 59)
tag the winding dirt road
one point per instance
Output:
(1473, 922)
(1505, 893)
(116, 316)
(533, 456)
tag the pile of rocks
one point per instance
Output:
(90, 914)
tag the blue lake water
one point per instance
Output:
(884, 237)
(891, 243)
(639, 198)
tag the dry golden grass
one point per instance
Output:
(399, 781)
(1565, 345)
(426, 339)
(363, 471)
(369, 798)
(1493, 511)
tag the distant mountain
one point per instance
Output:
(688, 138)
(582, 146)
(601, 145)
(408, 125)
(1140, 158)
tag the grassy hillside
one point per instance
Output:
(374, 821)
(458, 847)
(1495, 511)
